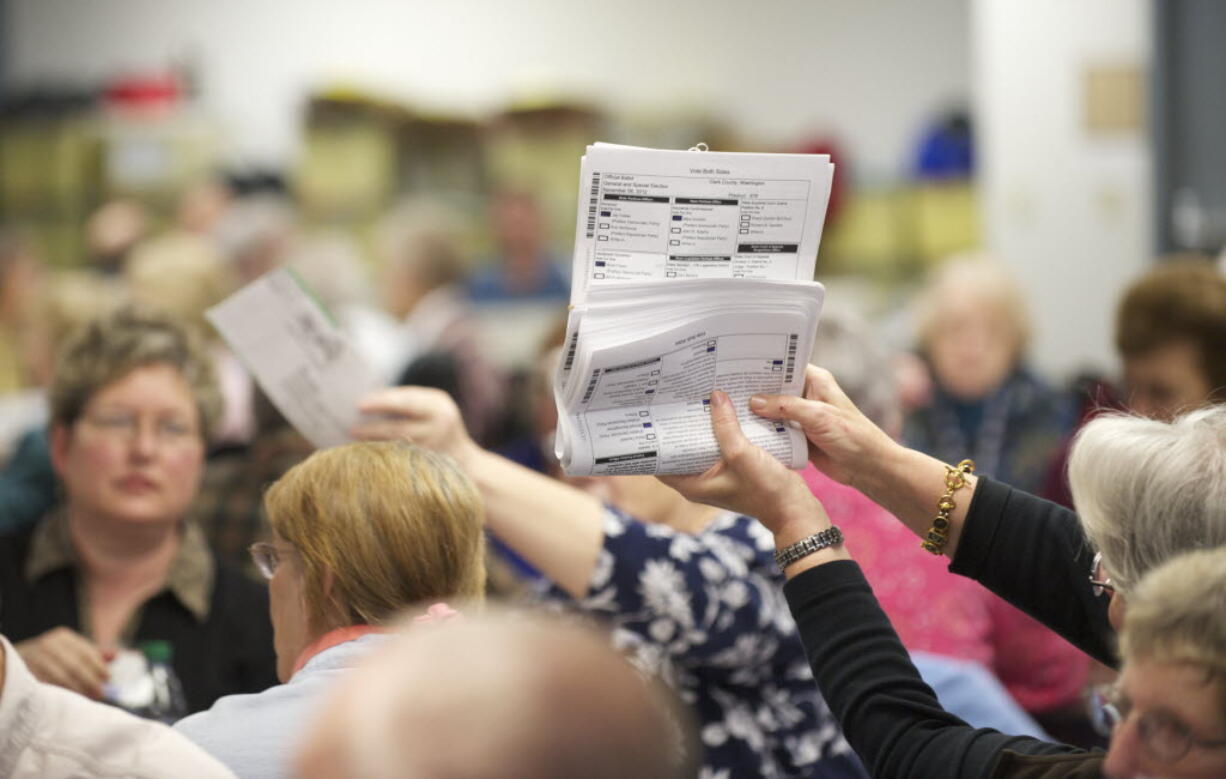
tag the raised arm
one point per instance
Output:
(1029, 551)
(889, 715)
(557, 528)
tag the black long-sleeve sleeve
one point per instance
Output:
(1033, 553)
(889, 715)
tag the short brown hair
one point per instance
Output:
(1183, 300)
(110, 346)
(393, 523)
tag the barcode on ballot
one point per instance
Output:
(591, 386)
(793, 341)
(570, 352)
(591, 211)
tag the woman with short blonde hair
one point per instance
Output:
(379, 527)
(361, 533)
(116, 564)
(1168, 709)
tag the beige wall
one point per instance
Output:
(1068, 209)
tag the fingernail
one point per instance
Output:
(718, 398)
(757, 402)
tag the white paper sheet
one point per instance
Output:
(297, 355)
(649, 214)
(632, 392)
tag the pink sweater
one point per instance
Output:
(936, 611)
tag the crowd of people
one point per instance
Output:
(981, 573)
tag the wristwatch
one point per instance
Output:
(831, 536)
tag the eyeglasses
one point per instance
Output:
(1164, 737)
(1099, 583)
(126, 426)
(266, 558)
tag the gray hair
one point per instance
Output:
(1148, 490)
(977, 276)
(846, 346)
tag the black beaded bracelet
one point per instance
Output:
(831, 536)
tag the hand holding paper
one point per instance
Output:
(692, 271)
(297, 355)
(748, 480)
(426, 416)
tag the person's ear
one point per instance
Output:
(1115, 611)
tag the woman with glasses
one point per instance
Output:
(1148, 492)
(1167, 711)
(361, 533)
(115, 564)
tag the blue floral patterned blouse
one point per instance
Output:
(706, 614)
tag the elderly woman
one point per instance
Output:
(132, 403)
(690, 593)
(1173, 652)
(985, 404)
(1168, 710)
(360, 534)
(954, 627)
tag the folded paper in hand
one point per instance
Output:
(297, 354)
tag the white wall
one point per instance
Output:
(1070, 212)
(874, 71)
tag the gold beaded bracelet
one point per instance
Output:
(938, 534)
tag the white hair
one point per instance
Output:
(1148, 490)
(975, 276)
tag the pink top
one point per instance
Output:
(936, 611)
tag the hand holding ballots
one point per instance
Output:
(691, 272)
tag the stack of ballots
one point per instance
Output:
(692, 271)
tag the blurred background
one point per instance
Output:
(1077, 143)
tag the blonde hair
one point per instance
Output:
(181, 274)
(1177, 614)
(109, 347)
(392, 523)
(987, 281)
(423, 235)
(1148, 490)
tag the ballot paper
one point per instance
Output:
(692, 271)
(650, 214)
(298, 356)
